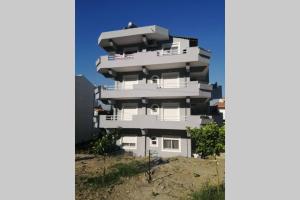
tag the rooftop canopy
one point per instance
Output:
(113, 39)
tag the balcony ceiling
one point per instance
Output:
(152, 67)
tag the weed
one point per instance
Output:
(210, 192)
(118, 170)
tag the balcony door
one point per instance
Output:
(128, 110)
(171, 112)
(129, 81)
(170, 80)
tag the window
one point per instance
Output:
(128, 110)
(130, 145)
(170, 80)
(170, 112)
(171, 144)
(129, 142)
(129, 81)
(155, 109)
(153, 142)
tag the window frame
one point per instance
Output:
(129, 147)
(156, 139)
(165, 76)
(128, 76)
(124, 105)
(174, 104)
(170, 138)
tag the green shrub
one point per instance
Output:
(106, 143)
(208, 140)
(209, 192)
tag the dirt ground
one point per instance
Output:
(175, 179)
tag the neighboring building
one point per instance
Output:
(161, 86)
(84, 109)
(221, 107)
(218, 108)
(216, 92)
(99, 108)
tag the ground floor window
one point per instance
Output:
(129, 142)
(171, 144)
(153, 142)
(128, 145)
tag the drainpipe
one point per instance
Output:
(189, 151)
(187, 145)
(188, 113)
(144, 133)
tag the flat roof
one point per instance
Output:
(133, 35)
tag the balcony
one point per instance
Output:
(154, 90)
(153, 122)
(153, 60)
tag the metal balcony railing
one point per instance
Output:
(159, 53)
(120, 57)
(159, 86)
(110, 87)
(172, 118)
(112, 117)
(159, 118)
(168, 52)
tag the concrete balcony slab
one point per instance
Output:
(152, 122)
(149, 90)
(153, 60)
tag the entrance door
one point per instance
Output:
(170, 80)
(128, 110)
(171, 112)
(129, 81)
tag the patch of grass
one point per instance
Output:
(117, 171)
(210, 192)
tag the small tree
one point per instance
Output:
(209, 139)
(105, 145)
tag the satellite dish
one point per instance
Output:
(131, 25)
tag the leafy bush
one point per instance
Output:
(208, 140)
(106, 143)
(209, 192)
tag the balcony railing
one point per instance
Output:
(120, 57)
(169, 52)
(159, 86)
(159, 53)
(160, 118)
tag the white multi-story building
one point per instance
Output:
(161, 86)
